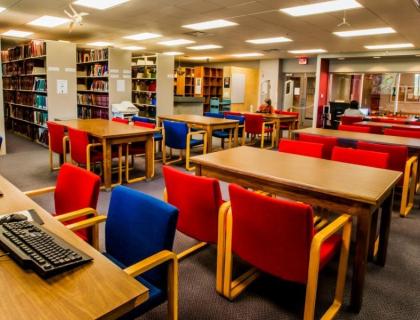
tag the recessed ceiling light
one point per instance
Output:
(322, 7)
(269, 40)
(205, 47)
(133, 48)
(307, 51)
(376, 57)
(176, 42)
(390, 46)
(213, 24)
(341, 58)
(143, 36)
(364, 32)
(99, 44)
(99, 4)
(17, 33)
(2, 9)
(48, 21)
(173, 53)
(247, 55)
(200, 58)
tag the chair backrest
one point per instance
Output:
(79, 140)
(145, 124)
(274, 235)
(347, 127)
(232, 113)
(328, 142)
(214, 115)
(361, 157)
(402, 133)
(240, 118)
(137, 227)
(253, 123)
(398, 155)
(120, 120)
(351, 119)
(56, 132)
(302, 148)
(393, 120)
(198, 200)
(142, 119)
(175, 134)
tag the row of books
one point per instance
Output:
(28, 67)
(144, 86)
(35, 48)
(26, 99)
(93, 99)
(144, 98)
(41, 117)
(23, 114)
(41, 101)
(89, 113)
(88, 55)
(40, 84)
(98, 70)
(99, 85)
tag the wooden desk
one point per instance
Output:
(385, 125)
(97, 290)
(208, 124)
(338, 187)
(111, 132)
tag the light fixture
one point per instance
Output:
(143, 36)
(2, 9)
(390, 46)
(308, 51)
(269, 40)
(17, 33)
(376, 57)
(205, 47)
(200, 58)
(176, 42)
(213, 24)
(321, 7)
(99, 4)
(364, 32)
(173, 53)
(133, 48)
(99, 44)
(247, 55)
(48, 21)
(341, 58)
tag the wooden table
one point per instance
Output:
(97, 290)
(114, 133)
(386, 125)
(335, 186)
(400, 120)
(209, 124)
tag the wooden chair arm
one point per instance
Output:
(197, 132)
(86, 223)
(409, 165)
(330, 230)
(150, 262)
(40, 191)
(76, 214)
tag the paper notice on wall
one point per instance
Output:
(114, 76)
(127, 76)
(113, 71)
(62, 87)
(54, 69)
(70, 70)
(120, 85)
(296, 91)
(126, 71)
(198, 86)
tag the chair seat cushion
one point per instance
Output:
(136, 148)
(221, 134)
(268, 130)
(284, 127)
(196, 142)
(158, 136)
(328, 250)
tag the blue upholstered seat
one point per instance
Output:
(143, 119)
(176, 135)
(224, 134)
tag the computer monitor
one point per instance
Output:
(365, 111)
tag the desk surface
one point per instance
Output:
(353, 182)
(102, 128)
(196, 119)
(387, 125)
(96, 290)
(359, 136)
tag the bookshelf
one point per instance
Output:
(208, 84)
(184, 83)
(31, 73)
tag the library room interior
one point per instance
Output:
(209, 159)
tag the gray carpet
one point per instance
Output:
(390, 293)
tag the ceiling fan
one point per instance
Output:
(344, 22)
(76, 17)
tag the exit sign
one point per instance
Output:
(303, 60)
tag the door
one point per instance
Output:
(288, 94)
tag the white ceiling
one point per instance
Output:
(256, 19)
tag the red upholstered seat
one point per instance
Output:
(78, 147)
(303, 148)
(402, 133)
(254, 124)
(275, 235)
(139, 147)
(346, 127)
(361, 157)
(328, 142)
(56, 133)
(198, 200)
(120, 120)
(351, 119)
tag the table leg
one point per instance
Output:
(107, 154)
(384, 229)
(278, 132)
(235, 135)
(209, 130)
(150, 157)
(372, 238)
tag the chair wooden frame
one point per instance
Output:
(264, 126)
(127, 166)
(136, 269)
(232, 288)
(51, 153)
(409, 186)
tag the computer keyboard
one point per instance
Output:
(33, 247)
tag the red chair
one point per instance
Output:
(198, 200)
(351, 119)
(328, 142)
(120, 120)
(255, 125)
(402, 133)
(345, 127)
(57, 142)
(75, 198)
(302, 148)
(232, 113)
(280, 240)
(361, 157)
(399, 161)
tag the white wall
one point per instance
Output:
(391, 64)
(293, 66)
(270, 70)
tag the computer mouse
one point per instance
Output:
(14, 217)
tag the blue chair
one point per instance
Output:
(139, 235)
(214, 115)
(177, 135)
(227, 134)
(142, 119)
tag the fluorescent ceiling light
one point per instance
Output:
(173, 53)
(205, 47)
(99, 4)
(177, 42)
(99, 44)
(133, 48)
(213, 24)
(17, 33)
(307, 51)
(376, 57)
(143, 36)
(269, 40)
(390, 46)
(321, 7)
(247, 55)
(48, 21)
(364, 32)
(200, 58)
(2, 9)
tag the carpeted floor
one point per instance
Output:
(390, 293)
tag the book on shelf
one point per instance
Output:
(81, 86)
(89, 55)
(41, 101)
(98, 70)
(40, 84)
(35, 48)
(40, 117)
(99, 85)
(93, 99)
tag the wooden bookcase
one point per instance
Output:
(208, 84)
(144, 89)
(184, 83)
